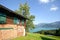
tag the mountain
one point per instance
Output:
(49, 25)
(46, 26)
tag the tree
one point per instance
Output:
(24, 10)
(57, 32)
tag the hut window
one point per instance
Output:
(16, 21)
(22, 22)
(2, 18)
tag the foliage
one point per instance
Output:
(50, 32)
(24, 10)
(57, 32)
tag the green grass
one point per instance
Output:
(34, 36)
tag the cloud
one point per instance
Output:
(53, 8)
(45, 1)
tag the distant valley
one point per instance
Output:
(46, 26)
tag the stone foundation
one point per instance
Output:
(16, 31)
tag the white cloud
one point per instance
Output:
(54, 8)
(45, 1)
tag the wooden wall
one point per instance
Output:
(9, 20)
(18, 29)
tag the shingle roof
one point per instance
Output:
(10, 12)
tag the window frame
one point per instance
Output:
(16, 20)
(2, 15)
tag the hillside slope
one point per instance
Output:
(33, 36)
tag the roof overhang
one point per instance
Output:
(11, 13)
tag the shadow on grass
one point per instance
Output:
(44, 38)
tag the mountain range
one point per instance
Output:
(46, 26)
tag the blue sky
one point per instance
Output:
(45, 11)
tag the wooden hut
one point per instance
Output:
(12, 24)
